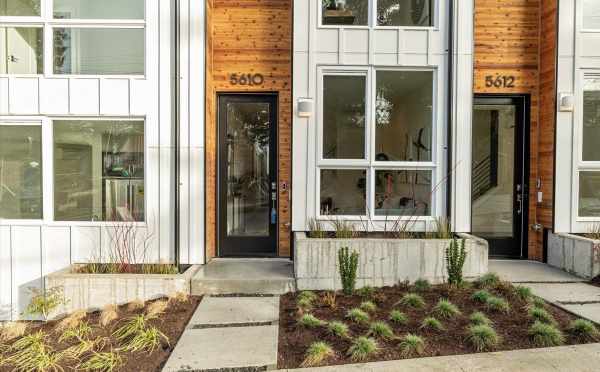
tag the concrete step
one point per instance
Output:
(244, 276)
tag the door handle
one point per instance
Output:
(520, 201)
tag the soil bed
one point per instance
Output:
(172, 324)
(513, 327)
(596, 281)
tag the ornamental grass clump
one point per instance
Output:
(524, 293)
(497, 304)
(540, 314)
(381, 330)
(12, 330)
(368, 306)
(546, 335)
(157, 308)
(432, 323)
(363, 348)
(357, 316)
(310, 321)
(338, 329)
(316, 354)
(489, 281)
(147, 340)
(412, 345)
(412, 300)
(307, 295)
(79, 332)
(398, 317)
(109, 314)
(446, 309)
(131, 327)
(71, 321)
(482, 337)
(479, 318)
(538, 302)
(584, 330)
(421, 285)
(329, 299)
(366, 291)
(102, 362)
(348, 267)
(481, 296)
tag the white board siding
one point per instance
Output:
(56, 248)
(5, 274)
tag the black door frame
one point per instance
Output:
(522, 102)
(245, 246)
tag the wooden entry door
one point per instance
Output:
(500, 185)
(247, 180)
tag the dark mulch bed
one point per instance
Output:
(595, 281)
(172, 323)
(512, 327)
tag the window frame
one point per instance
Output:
(48, 23)
(581, 12)
(372, 19)
(369, 164)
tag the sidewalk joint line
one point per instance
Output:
(234, 325)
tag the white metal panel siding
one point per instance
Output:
(5, 274)
(26, 265)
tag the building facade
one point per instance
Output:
(219, 128)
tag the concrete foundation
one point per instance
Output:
(95, 291)
(383, 262)
(575, 254)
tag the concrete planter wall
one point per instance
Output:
(94, 291)
(575, 254)
(383, 262)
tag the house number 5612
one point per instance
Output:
(246, 79)
(500, 81)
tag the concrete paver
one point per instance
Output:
(589, 311)
(236, 310)
(566, 292)
(517, 271)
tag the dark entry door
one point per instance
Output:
(500, 173)
(247, 189)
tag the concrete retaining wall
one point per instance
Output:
(575, 254)
(383, 262)
(94, 291)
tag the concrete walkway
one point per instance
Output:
(581, 358)
(553, 285)
(229, 333)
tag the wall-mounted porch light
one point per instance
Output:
(566, 102)
(305, 107)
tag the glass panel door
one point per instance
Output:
(247, 181)
(499, 181)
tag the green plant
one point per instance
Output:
(446, 309)
(524, 293)
(159, 269)
(343, 229)
(146, 340)
(398, 317)
(348, 263)
(381, 330)
(412, 300)
(539, 302)
(29, 341)
(362, 348)
(310, 321)
(317, 352)
(31, 353)
(368, 306)
(540, 314)
(12, 330)
(339, 329)
(79, 332)
(481, 296)
(432, 324)
(412, 345)
(479, 318)
(497, 304)
(357, 316)
(441, 229)
(76, 351)
(584, 330)
(546, 335)
(132, 327)
(44, 302)
(489, 280)
(307, 295)
(456, 255)
(102, 362)
(366, 291)
(329, 299)
(482, 337)
(305, 304)
(315, 229)
(421, 285)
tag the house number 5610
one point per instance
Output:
(246, 79)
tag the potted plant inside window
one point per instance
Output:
(336, 12)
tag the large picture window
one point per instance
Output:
(591, 14)
(377, 144)
(589, 167)
(20, 8)
(398, 13)
(99, 170)
(21, 50)
(20, 171)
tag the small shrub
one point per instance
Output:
(412, 300)
(329, 300)
(546, 335)
(497, 304)
(79, 332)
(157, 308)
(479, 318)
(481, 296)
(343, 229)
(102, 362)
(348, 263)
(315, 229)
(357, 316)
(71, 321)
(338, 329)
(362, 348)
(310, 321)
(584, 330)
(446, 309)
(482, 337)
(368, 306)
(43, 303)
(307, 295)
(381, 330)
(412, 345)
(489, 280)
(432, 323)
(147, 340)
(135, 305)
(540, 314)
(108, 315)
(456, 255)
(366, 291)
(317, 353)
(524, 293)
(12, 330)
(398, 317)
(421, 285)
